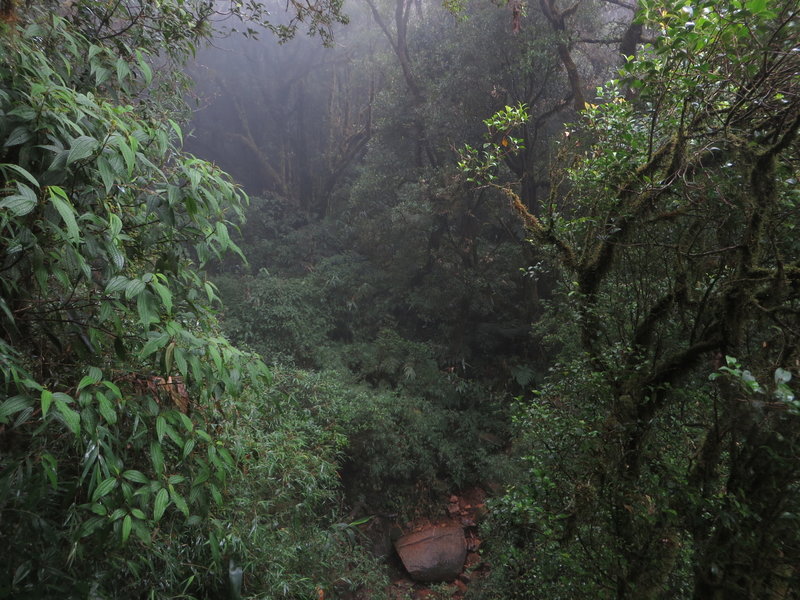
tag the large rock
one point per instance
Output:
(435, 553)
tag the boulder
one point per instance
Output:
(435, 553)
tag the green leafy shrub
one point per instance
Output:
(279, 317)
(283, 523)
(111, 359)
(399, 448)
(647, 480)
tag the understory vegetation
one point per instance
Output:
(259, 289)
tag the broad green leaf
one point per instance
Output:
(136, 137)
(222, 234)
(188, 447)
(62, 276)
(195, 177)
(12, 406)
(117, 514)
(25, 112)
(153, 345)
(161, 427)
(213, 352)
(81, 147)
(86, 381)
(106, 408)
(173, 194)
(106, 173)
(21, 203)
(123, 70)
(104, 488)
(31, 179)
(161, 503)
(127, 491)
(94, 50)
(226, 456)
(211, 291)
(173, 435)
(114, 389)
(114, 225)
(163, 293)
(127, 154)
(180, 361)
(101, 74)
(157, 457)
(204, 475)
(71, 418)
(194, 363)
(134, 288)
(126, 528)
(144, 67)
(89, 526)
(142, 531)
(19, 135)
(46, 401)
(169, 355)
(23, 416)
(60, 201)
(187, 422)
(145, 307)
(176, 128)
(216, 494)
(116, 284)
(94, 376)
(179, 502)
(99, 509)
(135, 476)
(66, 398)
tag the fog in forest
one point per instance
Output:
(400, 299)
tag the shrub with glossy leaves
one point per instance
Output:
(111, 361)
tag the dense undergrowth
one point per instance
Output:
(142, 454)
(597, 320)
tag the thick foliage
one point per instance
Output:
(283, 523)
(674, 234)
(110, 354)
(116, 382)
(398, 242)
(400, 452)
